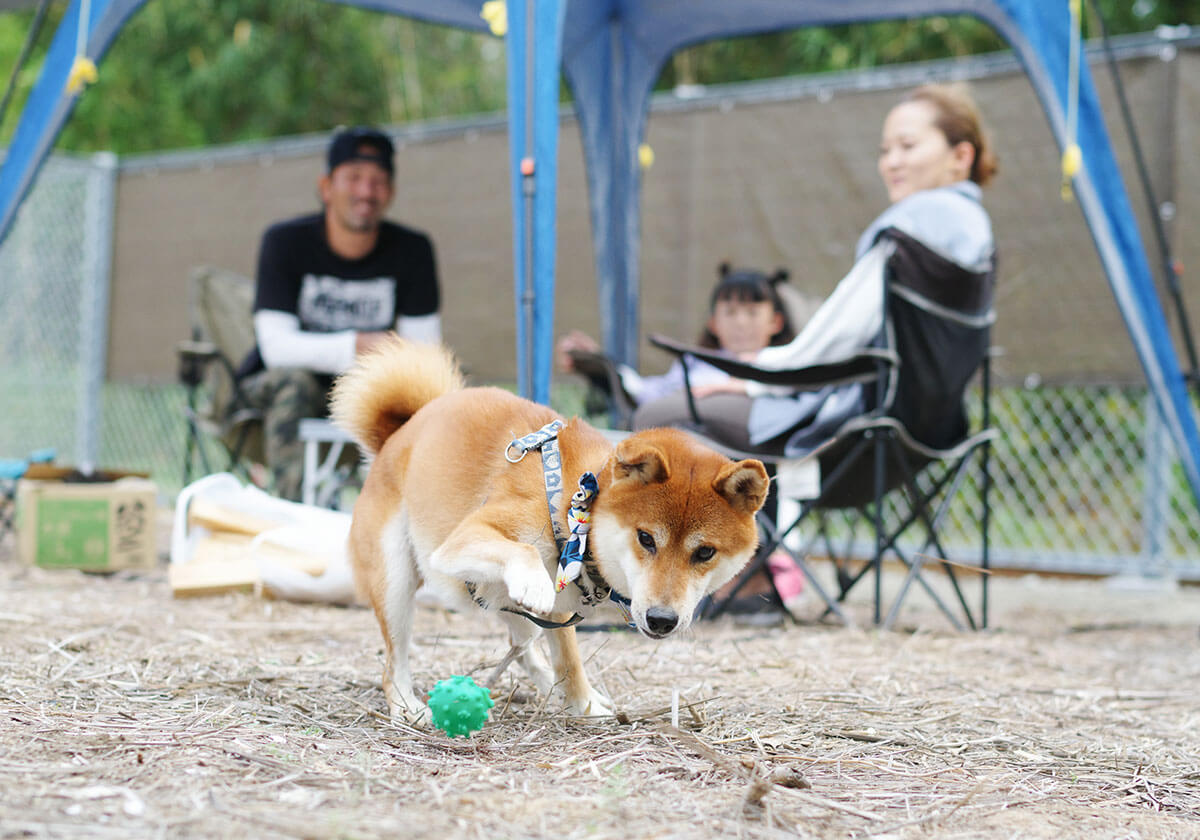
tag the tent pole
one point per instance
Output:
(1170, 266)
(528, 189)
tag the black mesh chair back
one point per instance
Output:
(938, 318)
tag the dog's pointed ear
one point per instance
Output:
(635, 460)
(743, 484)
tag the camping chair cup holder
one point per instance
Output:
(910, 451)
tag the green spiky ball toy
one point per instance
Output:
(459, 706)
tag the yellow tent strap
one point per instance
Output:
(496, 15)
(1072, 157)
(83, 71)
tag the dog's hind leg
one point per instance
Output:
(401, 581)
(581, 698)
(522, 633)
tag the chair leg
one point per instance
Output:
(953, 578)
(985, 517)
(946, 486)
(773, 542)
(193, 446)
(919, 509)
(880, 483)
(985, 466)
(195, 450)
(189, 453)
(914, 573)
(831, 603)
(848, 578)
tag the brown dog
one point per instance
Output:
(450, 503)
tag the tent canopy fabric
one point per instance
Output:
(611, 52)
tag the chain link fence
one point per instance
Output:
(1084, 481)
(45, 289)
(53, 333)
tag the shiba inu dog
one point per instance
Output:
(452, 501)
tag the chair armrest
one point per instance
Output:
(196, 350)
(602, 372)
(595, 366)
(194, 357)
(861, 367)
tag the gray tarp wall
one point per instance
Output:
(777, 173)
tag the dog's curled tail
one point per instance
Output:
(387, 385)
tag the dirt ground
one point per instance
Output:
(128, 714)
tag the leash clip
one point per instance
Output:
(533, 440)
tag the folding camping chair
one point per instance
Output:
(910, 448)
(224, 432)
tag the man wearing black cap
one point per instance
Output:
(329, 286)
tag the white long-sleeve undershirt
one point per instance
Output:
(283, 344)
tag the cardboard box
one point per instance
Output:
(99, 526)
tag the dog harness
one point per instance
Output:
(574, 558)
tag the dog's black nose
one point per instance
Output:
(661, 620)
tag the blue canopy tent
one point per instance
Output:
(611, 52)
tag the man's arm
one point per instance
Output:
(283, 344)
(425, 328)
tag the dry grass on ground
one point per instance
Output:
(127, 714)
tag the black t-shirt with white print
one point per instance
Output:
(298, 273)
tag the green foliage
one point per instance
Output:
(823, 49)
(197, 72)
(1139, 15)
(863, 45)
(184, 73)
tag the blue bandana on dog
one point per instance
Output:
(579, 522)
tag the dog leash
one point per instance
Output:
(574, 558)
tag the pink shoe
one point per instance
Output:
(789, 580)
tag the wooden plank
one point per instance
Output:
(211, 577)
(224, 562)
(217, 517)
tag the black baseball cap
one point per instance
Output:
(361, 143)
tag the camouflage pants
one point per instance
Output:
(286, 396)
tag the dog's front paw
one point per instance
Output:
(530, 589)
(417, 715)
(594, 705)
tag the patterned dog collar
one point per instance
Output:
(573, 557)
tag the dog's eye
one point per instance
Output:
(646, 540)
(703, 554)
